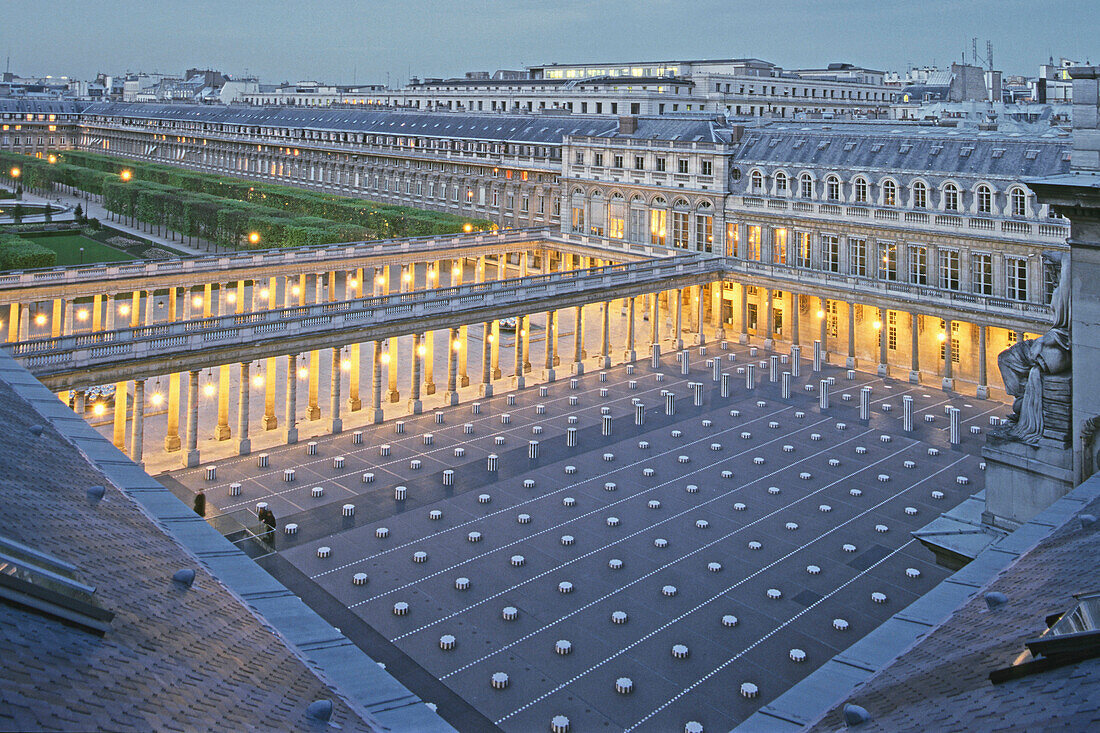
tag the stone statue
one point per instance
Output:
(1025, 364)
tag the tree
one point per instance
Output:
(78, 214)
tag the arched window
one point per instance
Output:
(889, 193)
(1019, 202)
(920, 195)
(861, 190)
(756, 182)
(806, 186)
(832, 188)
(985, 199)
(781, 182)
(951, 197)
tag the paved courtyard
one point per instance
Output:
(637, 579)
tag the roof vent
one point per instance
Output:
(319, 710)
(855, 715)
(96, 493)
(36, 430)
(628, 125)
(184, 577)
(1087, 520)
(995, 600)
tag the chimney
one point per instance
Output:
(736, 133)
(628, 125)
(1086, 117)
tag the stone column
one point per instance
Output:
(110, 311)
(824, 330)
(494, 341)
(58, 321)
(334, 385)
(654, 327)
(97, 311)
(551, 340)
(914, 348)
(743, 337)
(244, 445)
(678, 337)
(718, 305)
(526, 332)
(120, 415)
(850, 362)
(700, 302)
(463, 331)
(192, 458)
(291, 398)
(137, 435)
(521, 327)
(630, 355)
(172, 435)
(354, 402)
(430, 282)
(415, 405)
(454, 346)
(578, 340)
(135, 309)
(883, 365)
(488, 350)
(222, 431)
(605, 335)
(795, 318)
(151, 307)
(313, 411)
(769, 320)
(983, 379)
(391, 369)
(376, 383)
(948, 370)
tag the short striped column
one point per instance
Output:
(697, 393)
(817, 355)
(571, 437)
(796, 360)
(685, 364)
(606, 426)
(773, 368)
(639, 414)
(823, 394)
(786, 385)
(864, 403)
(532, 449)
(670, 403)
(953, 418)
(725, 384)
(750, 376)
(491, 463)
(907, 413)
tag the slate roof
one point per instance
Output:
(41, 106)
(942, 682)
(546, 129)
(900, 147)
(175, 659)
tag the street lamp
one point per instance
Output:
(126, 174)
(51, 159)
(254, 237)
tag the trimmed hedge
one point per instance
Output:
(17, 253)
(283, 215)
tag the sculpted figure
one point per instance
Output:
(1024, 364)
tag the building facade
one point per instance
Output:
(905, 246)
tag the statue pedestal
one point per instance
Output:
(1022, 480)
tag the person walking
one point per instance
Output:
(267, 519)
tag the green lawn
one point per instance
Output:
(68, 247)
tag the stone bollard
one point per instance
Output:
(670, 404)
(605, 427)
(697, 392)
(725, 384)
(532, 449)
(817, 355)
(448, 477)
(796, 361)
(823, 394)
(357, 437)
(639, 414)
(716, 369)
(655, 356)
(491, 463)
(907, 413)
(953, 418)
(571, 437)
(786, 385)
(685, 362)
(773, 368)
(865, 403)
(750, 376)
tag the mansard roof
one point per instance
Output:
(907, 148)
(532, 128)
